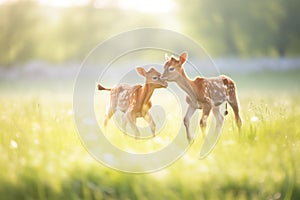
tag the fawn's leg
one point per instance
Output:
(234, 103)
(219, 118)
(187, 118)
(132, 121)
(111, 108)
(150, 121)
(233, 100)
(203, 121)
(109, 113)
(124, 122)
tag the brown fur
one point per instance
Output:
(134, 101)
(203, 93)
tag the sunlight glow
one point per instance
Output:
(150, 6)
(147, 6)
(63, 3)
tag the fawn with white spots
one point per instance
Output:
(134, 101)
(203, 93)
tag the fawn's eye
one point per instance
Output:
(171, 69)
(154, 78)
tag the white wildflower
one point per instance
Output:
(13, 144)
(254, 119)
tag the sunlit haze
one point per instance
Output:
(155, 6)
(63, 3)
(147, 6)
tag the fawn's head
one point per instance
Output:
(152, 77)
(173, 67)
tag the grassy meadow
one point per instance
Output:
(42, 156)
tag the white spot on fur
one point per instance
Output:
(123, 94)
(218, 85)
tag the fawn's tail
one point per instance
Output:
(226, 111)
(100, 87)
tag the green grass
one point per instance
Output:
(42, 157)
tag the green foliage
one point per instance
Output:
(30, 31)
(235, 27)
(42, 157)
(33, 32)
(19, 27)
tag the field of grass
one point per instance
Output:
(42, 156)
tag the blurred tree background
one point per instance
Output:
(30, 30)
(56, 34)
(245, 28)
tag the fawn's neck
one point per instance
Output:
(185, 84)
(146, 93)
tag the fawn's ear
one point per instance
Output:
(167, 58)
(141, 71)
(183, 57)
